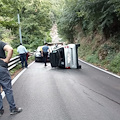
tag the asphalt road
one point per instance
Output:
(47, 93)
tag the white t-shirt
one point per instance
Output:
(21, 49)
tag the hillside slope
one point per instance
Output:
(97, 50)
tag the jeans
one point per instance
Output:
(45, 55)
(23, 59)
(5, 82)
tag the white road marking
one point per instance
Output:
(100, 69)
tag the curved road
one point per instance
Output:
(47, 93)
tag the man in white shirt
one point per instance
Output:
(22, 52)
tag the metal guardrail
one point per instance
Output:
(15, 61)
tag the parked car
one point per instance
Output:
(38, 56)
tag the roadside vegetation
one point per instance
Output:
(35, 22)
(95, 24)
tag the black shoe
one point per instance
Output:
(15, 111)
(1, 112)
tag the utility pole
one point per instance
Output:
(19, 28)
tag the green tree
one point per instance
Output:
(35, 20)
(92, 15)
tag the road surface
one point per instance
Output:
(47, 93)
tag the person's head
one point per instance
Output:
(46, 43)
(20, 43)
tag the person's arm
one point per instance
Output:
(48, 50)
(9, 50)
(42, 52)
(25, 50)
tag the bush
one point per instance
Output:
(92, 59)
(115, 64)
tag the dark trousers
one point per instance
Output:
(45, 55)
(5, 82)
(23, 60)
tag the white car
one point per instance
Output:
(38, 56)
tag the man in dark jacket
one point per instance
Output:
(5, 79)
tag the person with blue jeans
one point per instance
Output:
(22, 52)
(5, 79)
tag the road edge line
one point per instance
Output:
(100, 69)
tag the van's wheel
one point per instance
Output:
(79, 67)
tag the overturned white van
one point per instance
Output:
(65, 56)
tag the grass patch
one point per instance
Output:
(114, 65)
(92, 58)
(15, 69)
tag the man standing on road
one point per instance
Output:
(22, 52)
(45, 49)
(5, 79)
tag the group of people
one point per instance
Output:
(24, 54)
(5, 78)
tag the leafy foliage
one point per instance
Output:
(93, 15)
(34, 17)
